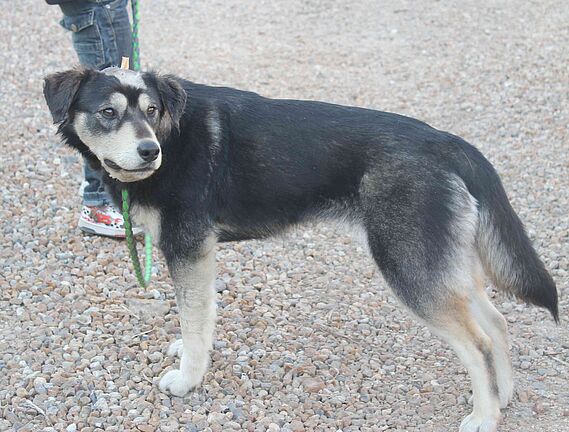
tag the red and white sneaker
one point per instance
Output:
(104, 220)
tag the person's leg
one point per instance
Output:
(94, 193)
(116, 29)
(101, 35)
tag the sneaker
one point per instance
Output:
(104, 220)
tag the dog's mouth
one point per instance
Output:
(143, 168)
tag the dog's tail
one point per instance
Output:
(503, 245)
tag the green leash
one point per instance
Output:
(135, 43)
(143, 280)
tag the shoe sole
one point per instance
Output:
(98, 229)
(102, 230)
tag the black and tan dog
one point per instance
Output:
(207, 164)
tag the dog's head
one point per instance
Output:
(119, 115)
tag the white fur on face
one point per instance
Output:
(119, 102)
(144, 102)
(119, 146)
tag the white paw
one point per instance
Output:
(473, 423)
(506, 395)
(176, 349)
(177, 383)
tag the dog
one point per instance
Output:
(205, 164)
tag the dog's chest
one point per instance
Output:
(149, 219)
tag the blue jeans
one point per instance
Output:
(101, 35)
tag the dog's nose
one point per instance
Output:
(148, 150)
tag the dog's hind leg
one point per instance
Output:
(443, 300)
(494, 325)
(444, 303)
(195, 296)
(423, 240)
(456, 324)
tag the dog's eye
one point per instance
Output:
(109, 113)
(151, 110)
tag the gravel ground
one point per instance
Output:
(308, 336)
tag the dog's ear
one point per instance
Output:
(59, 90)
(173, 97)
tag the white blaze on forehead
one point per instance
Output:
(126, 77)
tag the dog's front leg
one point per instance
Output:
(195, 295)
